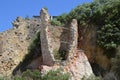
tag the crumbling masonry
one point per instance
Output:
(53, 39)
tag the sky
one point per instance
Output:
(10, 9)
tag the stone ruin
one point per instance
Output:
(52, 39)
(76, 61)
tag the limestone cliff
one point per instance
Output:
(59, 46)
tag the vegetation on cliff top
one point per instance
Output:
(104, 14)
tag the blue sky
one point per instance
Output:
(10, 9)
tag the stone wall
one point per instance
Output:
(53, 39)
(47, 49)
(73, 38)
(61, 38)
(78, 65)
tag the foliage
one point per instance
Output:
(56, 23)
(35, 42)
(81, 13)
(59, 54)
(92, 77)
(46, 8)
(56, 75)
(36, 75)
(104, 14)
(108, 33)
(19, 78)
(1, 78)
(33, 52)
(109, 36)
(62, 18)
(5, 78)
(29, 75)
(56, 54)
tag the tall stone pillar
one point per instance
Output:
(47, 50)
(73, 38)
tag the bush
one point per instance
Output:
(18, 78)
(36, 75)
(56, 23)
(34, 51)
(56, 75)
(29, 75)
(60, 55)
(108, 36)
(104, 14)
(1, 78)
(92, 77)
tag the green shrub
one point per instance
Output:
(46, 8)
(56, 75)
(59, 54)
(1, 78)
(18, 78)
(5, 78)
(34, 51)
(29, 75)
(92, 77)
(56, 54)
(104, 14)
(36, 75)
(56, 23)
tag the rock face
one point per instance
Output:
(14, 44)
(88, 42)
(54, 40)
(79, 66)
